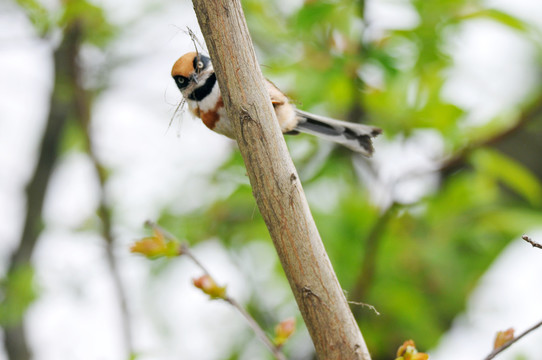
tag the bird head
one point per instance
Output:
(191, 71)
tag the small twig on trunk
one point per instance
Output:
(531, 241)
(362, 304)
(509, 343)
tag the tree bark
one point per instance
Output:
(275, 183)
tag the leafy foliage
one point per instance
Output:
(425, 256)
(37, 14)
(98, 31)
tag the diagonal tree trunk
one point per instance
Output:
(276, 185)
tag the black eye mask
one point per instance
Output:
(181, 81)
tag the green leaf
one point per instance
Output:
(511, 173)
(17, 293)
(311, 15)
(37, 14)
(97, 30)
(500, 17)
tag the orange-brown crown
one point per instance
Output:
(185, 65)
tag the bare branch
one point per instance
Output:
(185, 250)
(275, 350)
(531, 241)
(509, 343)
(104, 213)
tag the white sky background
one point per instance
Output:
(76, 315)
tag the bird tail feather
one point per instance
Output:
(356, 137)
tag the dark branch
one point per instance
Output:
(531, 241)
(61, 108)
(458, 160)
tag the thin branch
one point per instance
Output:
(509, 343)
(277, 353)
(362, 304)
(82, 99)
(458, 160)
(531, 241)
(185, 250)
(83, 111)
(104, 213)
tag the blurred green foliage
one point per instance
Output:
(97, 30)
(427, 255)
(76, 22)
(37, 14)
(17, 291)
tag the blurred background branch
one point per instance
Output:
(82, 98)
(161, 244)
(503, 140)
(70, 103)
(62, 107)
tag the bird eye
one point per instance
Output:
(200, 64)
(181, 81)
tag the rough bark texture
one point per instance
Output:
(275, 183)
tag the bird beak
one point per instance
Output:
(195, 78)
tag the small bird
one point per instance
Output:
(195, 77)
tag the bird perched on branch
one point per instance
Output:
(195, 77)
